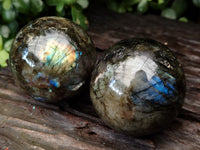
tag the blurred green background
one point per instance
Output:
(16, 13)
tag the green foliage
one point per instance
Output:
(183, 19)
(6, 4)
(78, 16)
(196, 3)
(4, 31)
(83, 3)
(1, 42)
(8, 15)
(4, 55)
(171, 9)
(169, 13)
(142, 6)
(179, 6)
(122, 6)
(21, 6)
(7, 45)
(36, 6)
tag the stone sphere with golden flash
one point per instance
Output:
(51, 58)
(138, 87)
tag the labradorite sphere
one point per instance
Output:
(51, 58)
(138, 87)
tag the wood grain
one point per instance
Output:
(28, 124)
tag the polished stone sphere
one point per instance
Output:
(51, 58)
(138, 87)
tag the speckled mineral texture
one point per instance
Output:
(51, 58)
(138, 87)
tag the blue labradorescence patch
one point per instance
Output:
(39, 98)
(54, 82)
(157, 91)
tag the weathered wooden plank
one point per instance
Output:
(28, 124)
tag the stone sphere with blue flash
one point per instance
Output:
(51, 58)
(138, 87)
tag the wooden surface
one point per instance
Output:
(27, 124)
